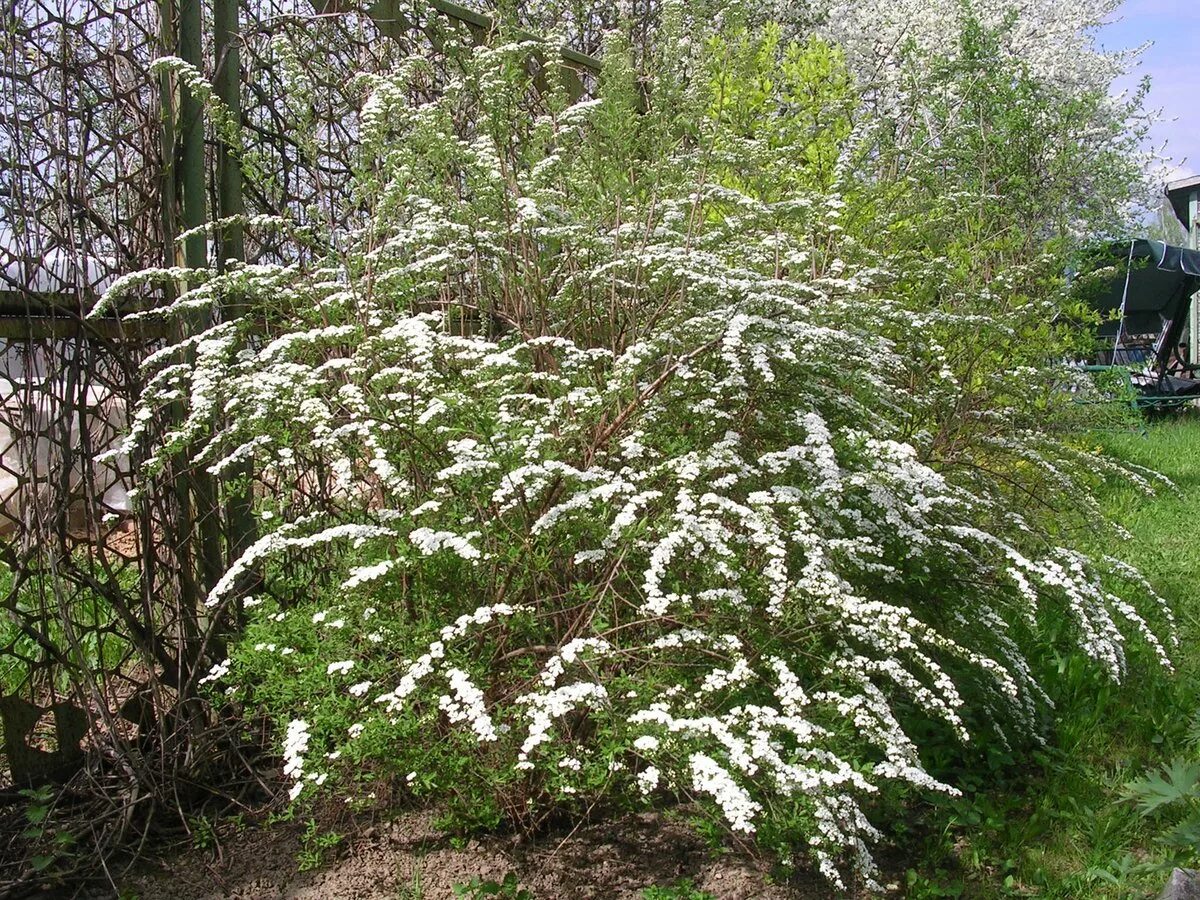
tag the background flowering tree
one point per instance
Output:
(703, 439)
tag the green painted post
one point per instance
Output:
(195, 255)
(227, 81)
(231, 242)
(1194, 243)
(191, 132)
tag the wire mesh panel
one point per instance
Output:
(104, 634)
(93, 631)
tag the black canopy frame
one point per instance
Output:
(1144, 307)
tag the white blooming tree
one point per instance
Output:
(682, 442)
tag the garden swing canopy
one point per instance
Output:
(1143, 296)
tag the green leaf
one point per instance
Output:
(35, 815)
(1174, 782)
(1185, 835)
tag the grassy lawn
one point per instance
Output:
(1060, 824)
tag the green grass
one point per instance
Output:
(1055, 822)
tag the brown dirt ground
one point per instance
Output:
(407, 859)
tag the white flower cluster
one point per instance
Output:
(217, 672)
(568, 654)
(648, 779)
(429, 542)
(709, 777)
(466, 704)
(361, 575)
(285, 539)
(295, 743)
(545, 707)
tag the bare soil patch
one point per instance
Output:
(406, 859)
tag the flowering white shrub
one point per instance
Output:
(608, 459)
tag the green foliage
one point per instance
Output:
(1170, 798)
(316, 844)
(470, 812)
(44, 611)
(204, 835)
(680, 890)
(1061, 822)
(53, 845)
(758, 152)
(1177, 782)
(478, 888)
(413, 890)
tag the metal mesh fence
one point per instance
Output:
(103, 630)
